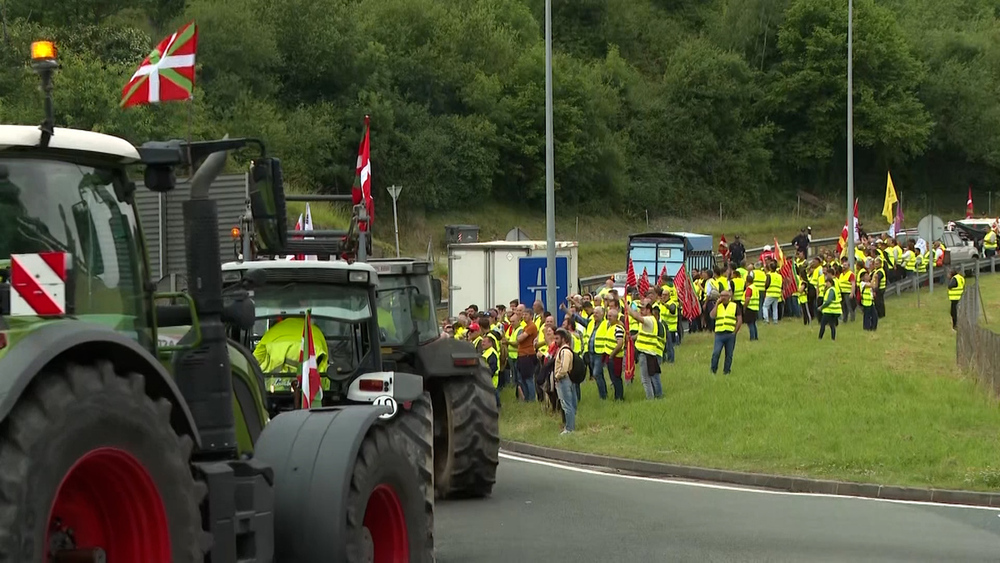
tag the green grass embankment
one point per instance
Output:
(889, 407)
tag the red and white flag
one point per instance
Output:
(307, 225)
(362, 189)
(842, 242)
(298, 227)
(724, 247)
(309, 382)
(167, 73)
(968, 205)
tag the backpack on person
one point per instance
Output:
(578, 371)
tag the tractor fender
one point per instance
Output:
(313, 453)
(83, 342)
(447, 357)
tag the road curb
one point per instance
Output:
(777, 482)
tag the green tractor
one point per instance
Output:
(379, 321)
(132, 429)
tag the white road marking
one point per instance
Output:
(667, 481)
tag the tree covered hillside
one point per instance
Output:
(672, 105)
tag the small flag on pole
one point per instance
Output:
(644, 283)
(890, 198)
(362, 189)
(309, 382)
(968, 205)
(724, 247)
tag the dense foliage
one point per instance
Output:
(674, 105)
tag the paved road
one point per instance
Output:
(553, 514)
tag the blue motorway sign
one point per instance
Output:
(531, 279)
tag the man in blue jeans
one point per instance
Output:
(728, 321)
(594, 348)
(560, 375)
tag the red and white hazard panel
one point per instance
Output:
(38, 284)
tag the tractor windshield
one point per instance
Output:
(405, 305)
(62, 206)
(339, 315)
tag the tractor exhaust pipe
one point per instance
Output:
(203, 374)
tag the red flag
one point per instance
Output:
(788, 283)
(724, 247)
(644, 283)
(690, 307)
(167, 73)
(630, 280)
(362, 190)
(628, 362)
(663, 274)
(968, 205)
(309, 372)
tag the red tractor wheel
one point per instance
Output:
(386, 525)
(109, 501)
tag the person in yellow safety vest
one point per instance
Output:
(593, 349)
(738, 285)
(909, 259)
(760, 282)
(803, 298)
(869, 316)
(513, 331)
(576, 344)
(751, 306)
(728, 321)
(492, 358)
(279, 352)
(772, 295)
(956, 286)
(460, 325)
(847, 285)
(830, 310)
(614, 352)
(609, 284)
(538, 308)
(878, 271)
(386, 323)
(924, 262)
(990, 243)
(669, 309)
(649, 349)
(475, 334)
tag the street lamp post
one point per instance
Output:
(550, 190)
(850, 134)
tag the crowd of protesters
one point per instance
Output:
(529, 348)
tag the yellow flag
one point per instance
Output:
(890, 198)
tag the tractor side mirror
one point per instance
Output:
(436, 290)
(267, 205)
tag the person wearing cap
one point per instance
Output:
(737, 252)
(475, 334)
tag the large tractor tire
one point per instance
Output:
(332, 505)
(466, 436)
(88, 460)
(416, 424)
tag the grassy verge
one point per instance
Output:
(887, 408)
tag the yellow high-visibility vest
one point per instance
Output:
(648, 342)
(845, 282)
(954, 294)
(867, 298)
(774, 290)
(754, 303)
(725, 317)
(739, 285)
(492, 352)
(835, 305)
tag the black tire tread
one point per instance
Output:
(42, 406)
(475, 423)
(381, 438)
(417, 426)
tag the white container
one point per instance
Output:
(489, 273)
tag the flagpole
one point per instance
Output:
(850, 134)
